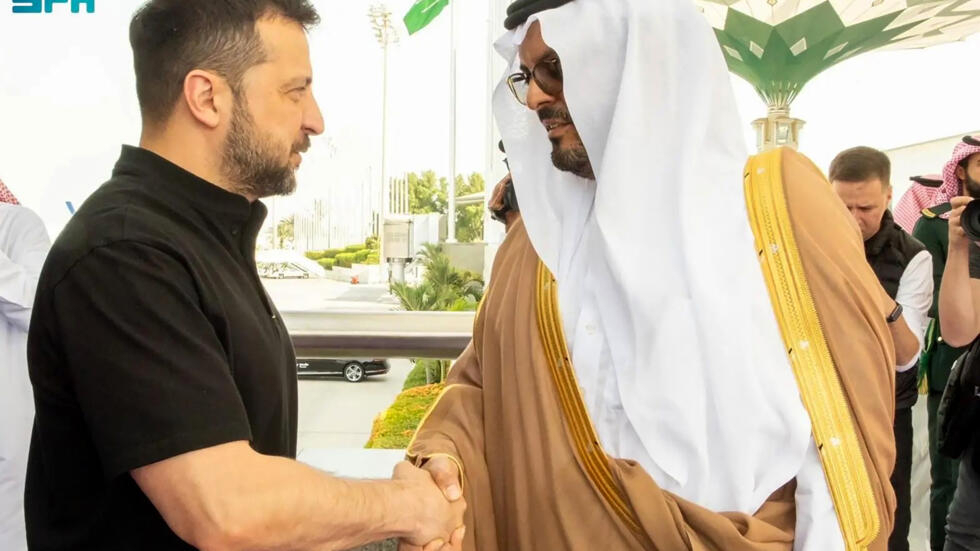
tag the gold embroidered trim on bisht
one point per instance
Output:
(584, 436)
(817, 377)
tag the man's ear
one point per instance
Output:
(206, 96)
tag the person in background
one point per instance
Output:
(937, 360)
(959, 315)
(861, 177)
(920, 195)
(23, 246)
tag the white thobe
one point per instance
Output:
(24, 245)
(817, 527)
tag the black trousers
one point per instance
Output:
(944, 471)
(902, 480)
(963, 526)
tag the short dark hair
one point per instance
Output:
(859, 164)
(171, 38)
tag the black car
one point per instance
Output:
(352, 369)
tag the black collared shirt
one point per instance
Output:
(152, 336)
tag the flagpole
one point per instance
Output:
(451, 193)
(490, 146)
(386, 34)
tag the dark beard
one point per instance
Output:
(971, 187)
(575, 159)
(251, 163)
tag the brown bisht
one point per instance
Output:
(534, 474)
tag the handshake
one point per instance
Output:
(440, 506)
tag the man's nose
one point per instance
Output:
(313, 119)
(536, 97)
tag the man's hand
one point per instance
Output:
(497, 202)
(957, 235)
(445, 473)
(497, 199)
(440, 521)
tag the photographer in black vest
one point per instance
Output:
(959, 311)
(861, 178)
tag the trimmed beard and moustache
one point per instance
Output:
(971, 187)
(574, 159)
(251, 159)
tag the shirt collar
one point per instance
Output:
(169, 179)
(878, 241)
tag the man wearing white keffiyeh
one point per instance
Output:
(659, 397)
(23, 247)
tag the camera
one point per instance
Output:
(971, 220)
(510, 196)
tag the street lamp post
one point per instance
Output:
(386, 34)
(451, 195)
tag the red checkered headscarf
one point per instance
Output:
(6, 196)
(921, 195)
(951, 184)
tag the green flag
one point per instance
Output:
(422, 13)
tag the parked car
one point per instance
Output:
(289, 270)
(354, 370)
(282, 270)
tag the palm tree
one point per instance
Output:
(444, 288)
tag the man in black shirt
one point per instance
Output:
(164, 379)
(861, 176)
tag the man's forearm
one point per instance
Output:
(906, 344)
(957, 315)
(294, 506)
(271, 503)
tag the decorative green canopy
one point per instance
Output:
(779, 45)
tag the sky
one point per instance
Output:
(67, 102)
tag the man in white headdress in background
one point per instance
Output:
(635, 380)
(24, 245)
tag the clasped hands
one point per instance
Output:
(440, 505)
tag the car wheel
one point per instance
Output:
(354, 372)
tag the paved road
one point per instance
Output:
(336, 414)
(326, 294)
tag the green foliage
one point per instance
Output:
(354, 248)
(372, 242)
(345, 260)
(361, 256)
(394, 428)
(373, 259)
(429, 194)
(318, 255)
(444, 288)
(327, 263)
(424, 296)
(425, 370)
(285, 233)
(469, 219)
(426, 193)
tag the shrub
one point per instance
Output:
(361, 256)
(417, 376)
(394, 428)
(332, 253)
(327, 263)
(371, 242)
(354, 248)
(345, 259)
(314, 255)
(373, 258)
